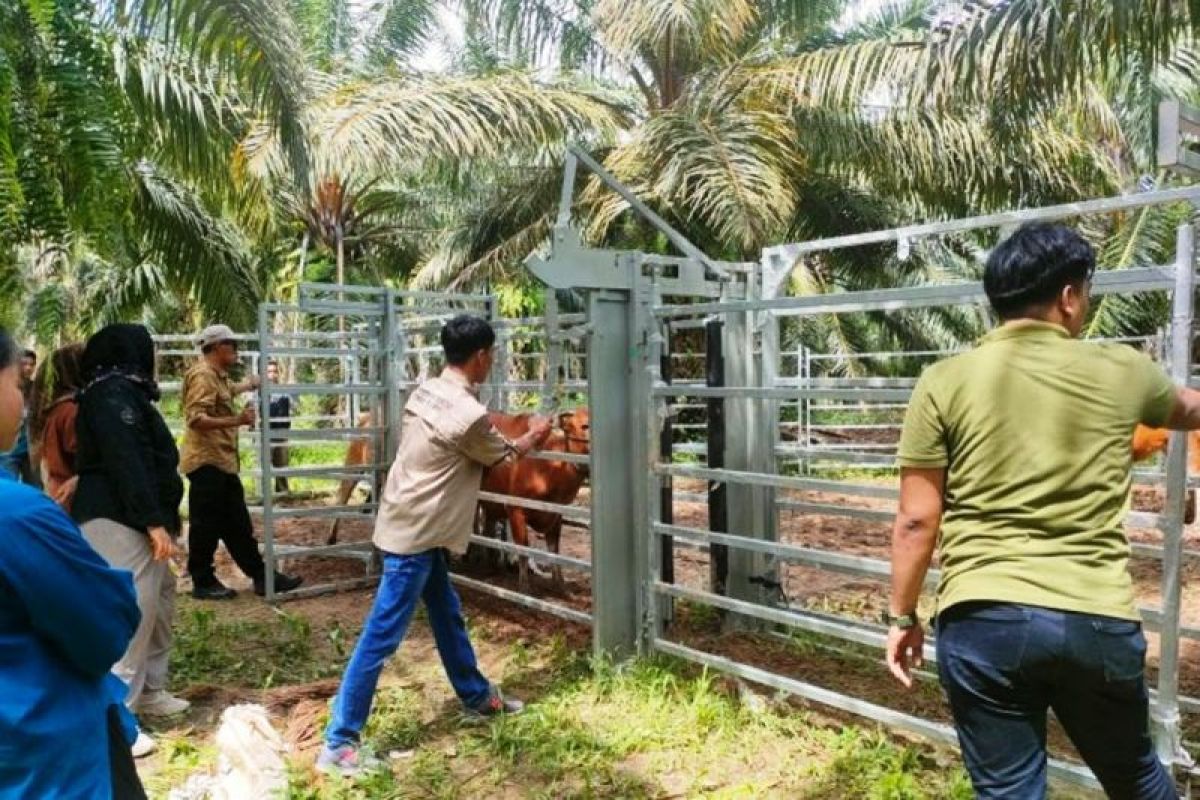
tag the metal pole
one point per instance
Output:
(676, 238)
(718, 508)
(616, 586)
(1168, 739)
(666, 442)
(266, 467)
(554, 351)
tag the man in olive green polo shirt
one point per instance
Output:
(1018, 452)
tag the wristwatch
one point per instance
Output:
(903, 622)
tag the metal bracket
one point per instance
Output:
(572, 265)
(1178, 127)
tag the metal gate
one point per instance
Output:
(637, 304)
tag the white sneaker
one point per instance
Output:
(144, 745)
(161, 704)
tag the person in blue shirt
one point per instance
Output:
(16, 459)
(65, 618)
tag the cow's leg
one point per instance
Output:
(553, 537)
(520, 535)
(343, 497)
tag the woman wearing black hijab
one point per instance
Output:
(128, 500)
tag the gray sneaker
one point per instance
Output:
(495, 705)
(346, 760)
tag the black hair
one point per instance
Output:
(464, 336)
(29, 354)
(8, 350)
(1031, 267)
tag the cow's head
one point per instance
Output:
(576, 428)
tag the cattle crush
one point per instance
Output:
(741, 478)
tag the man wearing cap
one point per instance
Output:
(217, 502)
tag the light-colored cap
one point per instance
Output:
(214, 334)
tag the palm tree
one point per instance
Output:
(192, 140)
(761, 121)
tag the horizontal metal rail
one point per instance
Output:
(1138, 279)
(777, 481)
(1006, 218)
(767, 393)
(566, 512)
(313, 288)
(327, 389)
(532, 553)
(312, 512)
(305, 592)
(329, 471)
(1062, 770)
(786, 616)
(859, 566)
(322, 434)
(565, 612)
(356, 550)
(554, 455)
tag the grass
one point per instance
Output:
(653, 728)
(212, 649)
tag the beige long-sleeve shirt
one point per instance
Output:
(433, 487)
(209, 392)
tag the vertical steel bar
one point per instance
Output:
(567, 195)
(266, 467)
(647, 341)
(615, 583)
(718, 507)
(554, 351)
(1168, 737)
(666, 442)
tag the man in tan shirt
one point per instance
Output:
(427, 511)
(217, 503)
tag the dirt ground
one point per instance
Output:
(850, 670)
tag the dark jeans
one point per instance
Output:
(1003, 665)
(126, 785)
(280, 458)
(406, 580)
(217, 505)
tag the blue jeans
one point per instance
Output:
(406, 579)
(1003, 665)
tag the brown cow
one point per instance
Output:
(537, 479)
(358, 453)
(1148, 441)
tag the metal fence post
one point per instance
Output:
(616, 583)
(744, 429)
(554, 351)
(718, 506)
(266, 467)
(1167, 728)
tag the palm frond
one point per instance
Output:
(402, 29)
(255, 42)
(958, 164)
(713, 28)
(731, 171)
(1141, 238)
(199, 252)
(536, 32)
(191, 114)
(1024, 55)
(421, 119)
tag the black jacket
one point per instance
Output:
(127, 460)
